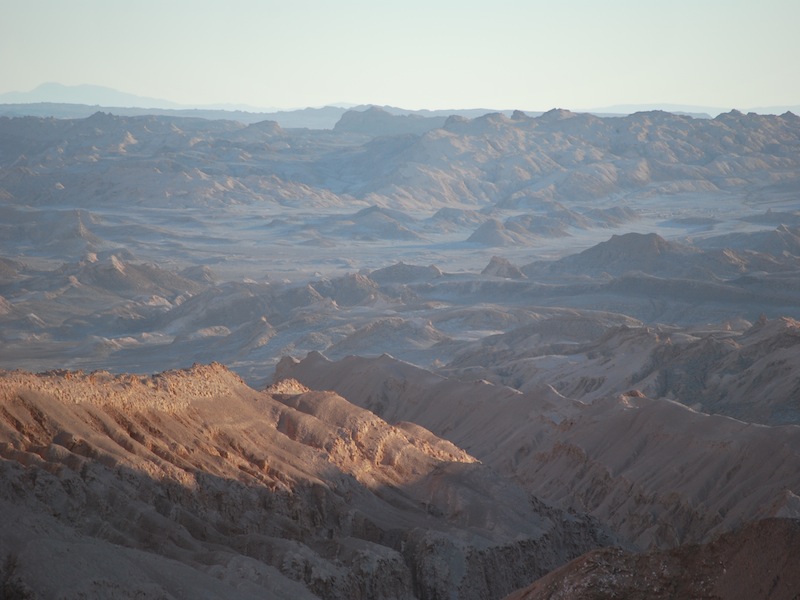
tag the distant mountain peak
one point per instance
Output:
(557, 114)
(634, 243)
(92, 95)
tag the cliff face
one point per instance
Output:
(190, 484)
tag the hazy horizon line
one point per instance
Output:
(109, 97)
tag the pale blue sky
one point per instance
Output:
(506, 54)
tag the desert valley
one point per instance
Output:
(399, 354)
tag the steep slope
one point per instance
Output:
(494, 233)
(659, 473)
(652, 254)
(761, 560)
(502, 267)
(749, 372)
(191, 484)
(629, 252)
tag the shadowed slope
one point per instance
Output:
(761, 560)
(191, 484)
(659, 473)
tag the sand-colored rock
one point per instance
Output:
(659, 473)
(191, 484)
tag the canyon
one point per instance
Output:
(408, 356)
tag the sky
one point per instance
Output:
(436, 54)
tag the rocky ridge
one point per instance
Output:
(658, 473)
(743, 370)
(191, 484)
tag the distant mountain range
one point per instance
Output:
(83, 94)
(79, 101)
(98, 95)
(690, 109)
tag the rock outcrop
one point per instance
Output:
(190, 484)
(657, 472)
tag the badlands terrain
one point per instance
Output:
(405, 356)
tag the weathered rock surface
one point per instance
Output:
(139, 244)
(746, 371)
(657, 472)
(191, 484)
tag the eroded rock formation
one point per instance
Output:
(191, 484)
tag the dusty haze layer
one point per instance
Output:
(530, 337)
